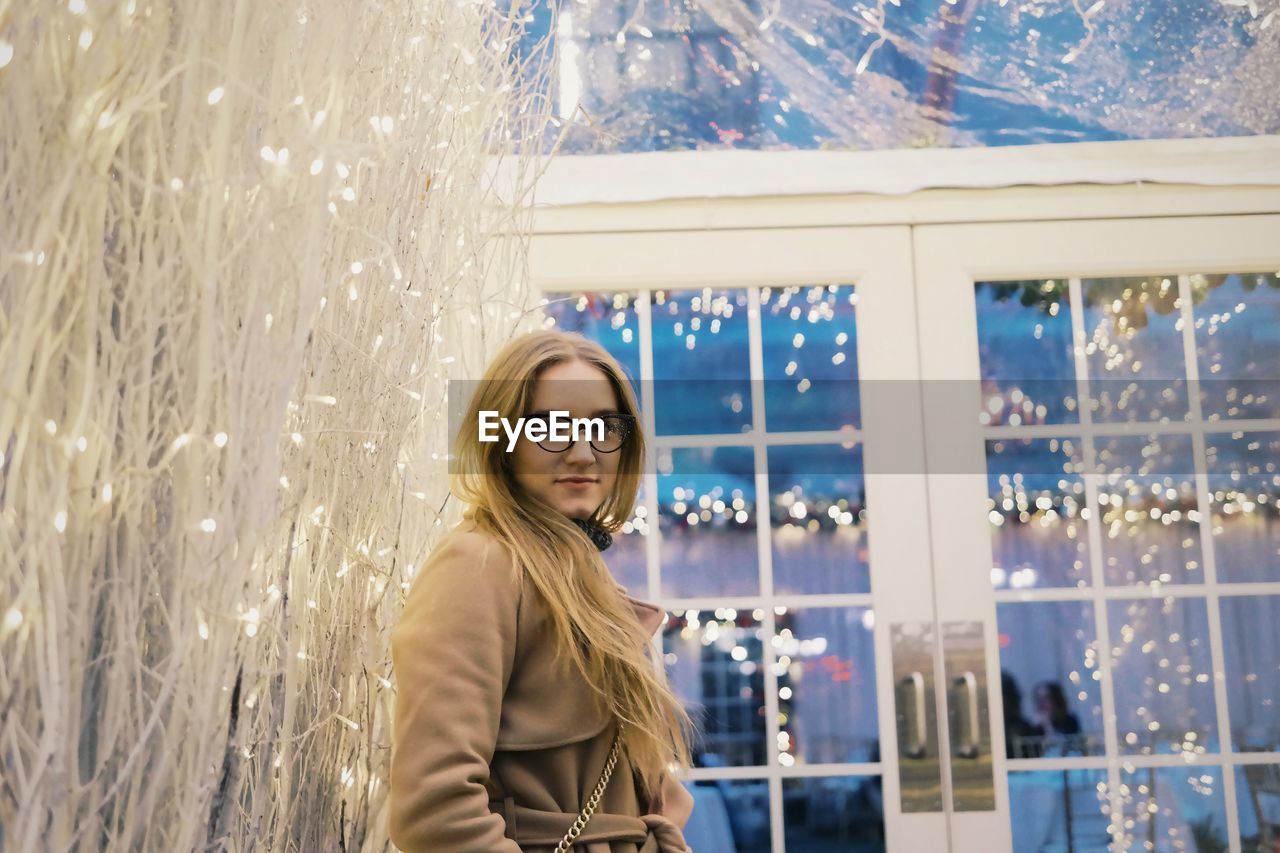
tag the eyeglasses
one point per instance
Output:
(617, 429)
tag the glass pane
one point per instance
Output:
(1024, 352)
(1163, 676)
(1244, 504)
(706, 508)
(1137, 371)
(729, 815)
(1251, 648)
(825, 660)
(609, 319)
(833, 814)
(626, 557)
(1034, 499)
(809, 341)
(1059, 810)
(817, 500)
(1150, 526)
(1236, 317)
(1049, 679)
(714, 664)
(1174, 809)
(685, 74)
(1258, 803)
(701, 362)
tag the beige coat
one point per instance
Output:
(495, 747)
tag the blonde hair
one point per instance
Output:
(584, 603)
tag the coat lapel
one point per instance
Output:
(649, 615)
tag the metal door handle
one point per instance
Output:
(913, 708)
(969, 744)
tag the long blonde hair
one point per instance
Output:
(584, 604)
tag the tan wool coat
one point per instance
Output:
(495, 748)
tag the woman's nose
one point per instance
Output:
(581, 451)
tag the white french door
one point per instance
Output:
(910, 614)
(1103, 434)
(777, 377)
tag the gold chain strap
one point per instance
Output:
(594, 800)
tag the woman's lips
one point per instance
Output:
(576, 485)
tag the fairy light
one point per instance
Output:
(12, 619)
(6, 53)
(215, 95)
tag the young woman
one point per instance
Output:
(518, 658)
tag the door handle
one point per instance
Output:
(913, 709)
(919, 761)
(969, 730)
(969, 743)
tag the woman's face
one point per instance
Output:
(583, 391)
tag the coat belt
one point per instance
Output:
(651, 833)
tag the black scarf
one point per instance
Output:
(595, 533)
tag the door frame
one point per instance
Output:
(949, 259)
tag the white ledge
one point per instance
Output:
(653, 176)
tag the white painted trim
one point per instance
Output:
(655, 176)
(926, 207)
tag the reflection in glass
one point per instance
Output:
(825, 661)
(1137, 371)
(714, 663)
(729, 815)
(706, 510)
(1244, 504)
(1163, 677)
(1050, 670)
(1169, 809)
(1150, 521)
(1251, 648)
(1258, 803)
(809, 341)
(1034, 498)
(817, 501)
(701, 362)
(1059, 810)
(1236, 317)
(1024, 353)
(609, 319)
(834, 813)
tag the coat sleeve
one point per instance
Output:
(452, 650)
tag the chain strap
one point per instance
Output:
(594, 800)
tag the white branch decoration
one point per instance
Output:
(243, 246)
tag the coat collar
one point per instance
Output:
(650, 615)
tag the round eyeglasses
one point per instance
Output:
(617, 428)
